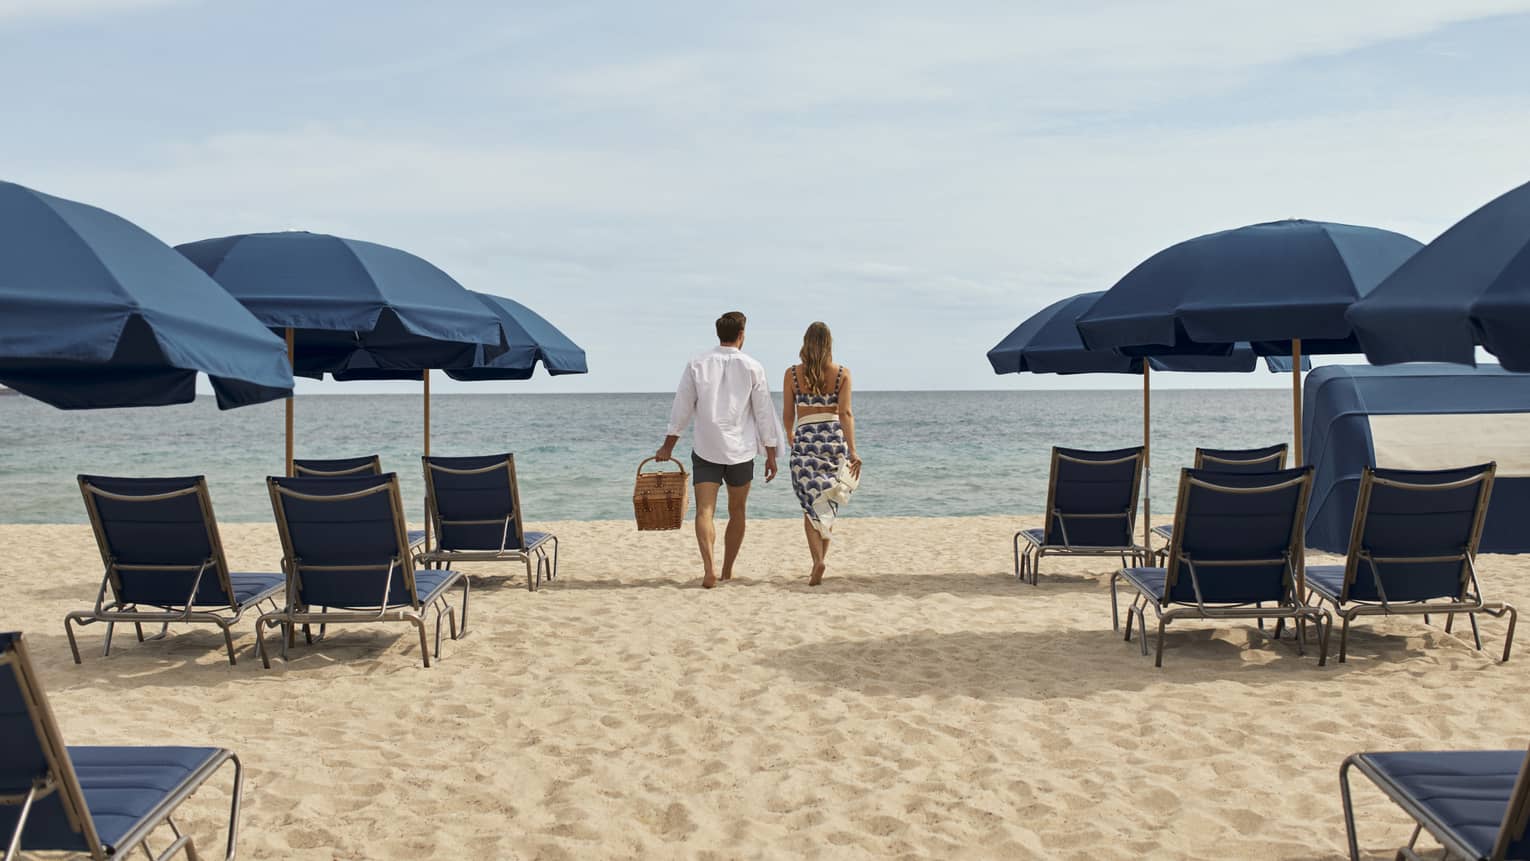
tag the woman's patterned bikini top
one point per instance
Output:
(804, 399)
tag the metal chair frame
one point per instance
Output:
(1516, 816)
(1028, 558)
(1470, 599)
(114, 611)
(435, 555)
(1168, 611)
(400, 565)
(1241, 460)
(62, 780)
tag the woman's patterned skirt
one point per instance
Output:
(818, 448)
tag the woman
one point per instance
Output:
(822, 430)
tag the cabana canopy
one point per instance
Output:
(1417, 417)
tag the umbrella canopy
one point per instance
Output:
(1270, 284)
(1049, 343)
(95, 312)
(350, 304)
(527, 338)
(1468, 287)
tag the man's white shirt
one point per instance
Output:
(725, 391)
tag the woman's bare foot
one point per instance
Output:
(708, 580)
(817, 576)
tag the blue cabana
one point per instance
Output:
(1417, 417)
(1470, 286)
(95, 312)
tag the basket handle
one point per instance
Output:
(671, 460)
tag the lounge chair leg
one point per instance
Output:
(1115, 615)
(1301, 636)
(228, 643)
(74, 648)
(1349, 810)
(1450, 621)
(1325, 629)
(1142, 629)
(438, 630)
(1157, 661)
(531, 586)
(462, 631)
(555, 557)
(419, 625)
(260, 641)
(1508, 639)
(106, 648)
(1476, 634)
(1344, 639)
(1017, 556)
(1129, 610)
(138, 630)
(1280, 628)
(1426, 619)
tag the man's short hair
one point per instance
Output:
(730, 326)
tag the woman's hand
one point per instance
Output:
(855, 465)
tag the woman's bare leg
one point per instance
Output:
(815, 547)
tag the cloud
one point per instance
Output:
(24, 10)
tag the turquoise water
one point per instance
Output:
(926, 453)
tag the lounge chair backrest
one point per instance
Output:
(1415, 533)
(33, 755)
(1268, 459)
(1092, 497)
(157, 538)
(343, 539)
(474, 502)
(1237, 536)
(337, 466)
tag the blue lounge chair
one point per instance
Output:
(1412, 549)
(164, 560)
(338, 467)
(473, 505)
(1091, 509)
(1271, 458)
(344, 550)
(1476, 803)
(1237, 541)
(102, 802)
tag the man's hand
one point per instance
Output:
(667, 450)
(770, 469)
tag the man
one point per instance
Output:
(725, 392)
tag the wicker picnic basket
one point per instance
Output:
(659, 499)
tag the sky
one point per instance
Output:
(920, 176)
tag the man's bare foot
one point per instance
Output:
(726, 575)
(708, 581)
(817, 576)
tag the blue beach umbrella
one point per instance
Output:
(346, 305)
(1284, 286)
(1469, 287)
(528, 339)
(95, 312)
(1048, 342)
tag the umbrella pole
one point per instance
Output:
(1147, 460)
(1296, 399)
(426, 377)
(291, 361)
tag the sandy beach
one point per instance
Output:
(922, 703)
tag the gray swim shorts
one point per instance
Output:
(704, 471)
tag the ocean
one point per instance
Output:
(935, 454)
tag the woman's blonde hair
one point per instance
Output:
(817, 354)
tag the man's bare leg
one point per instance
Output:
(706, 529)
(733, 538)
